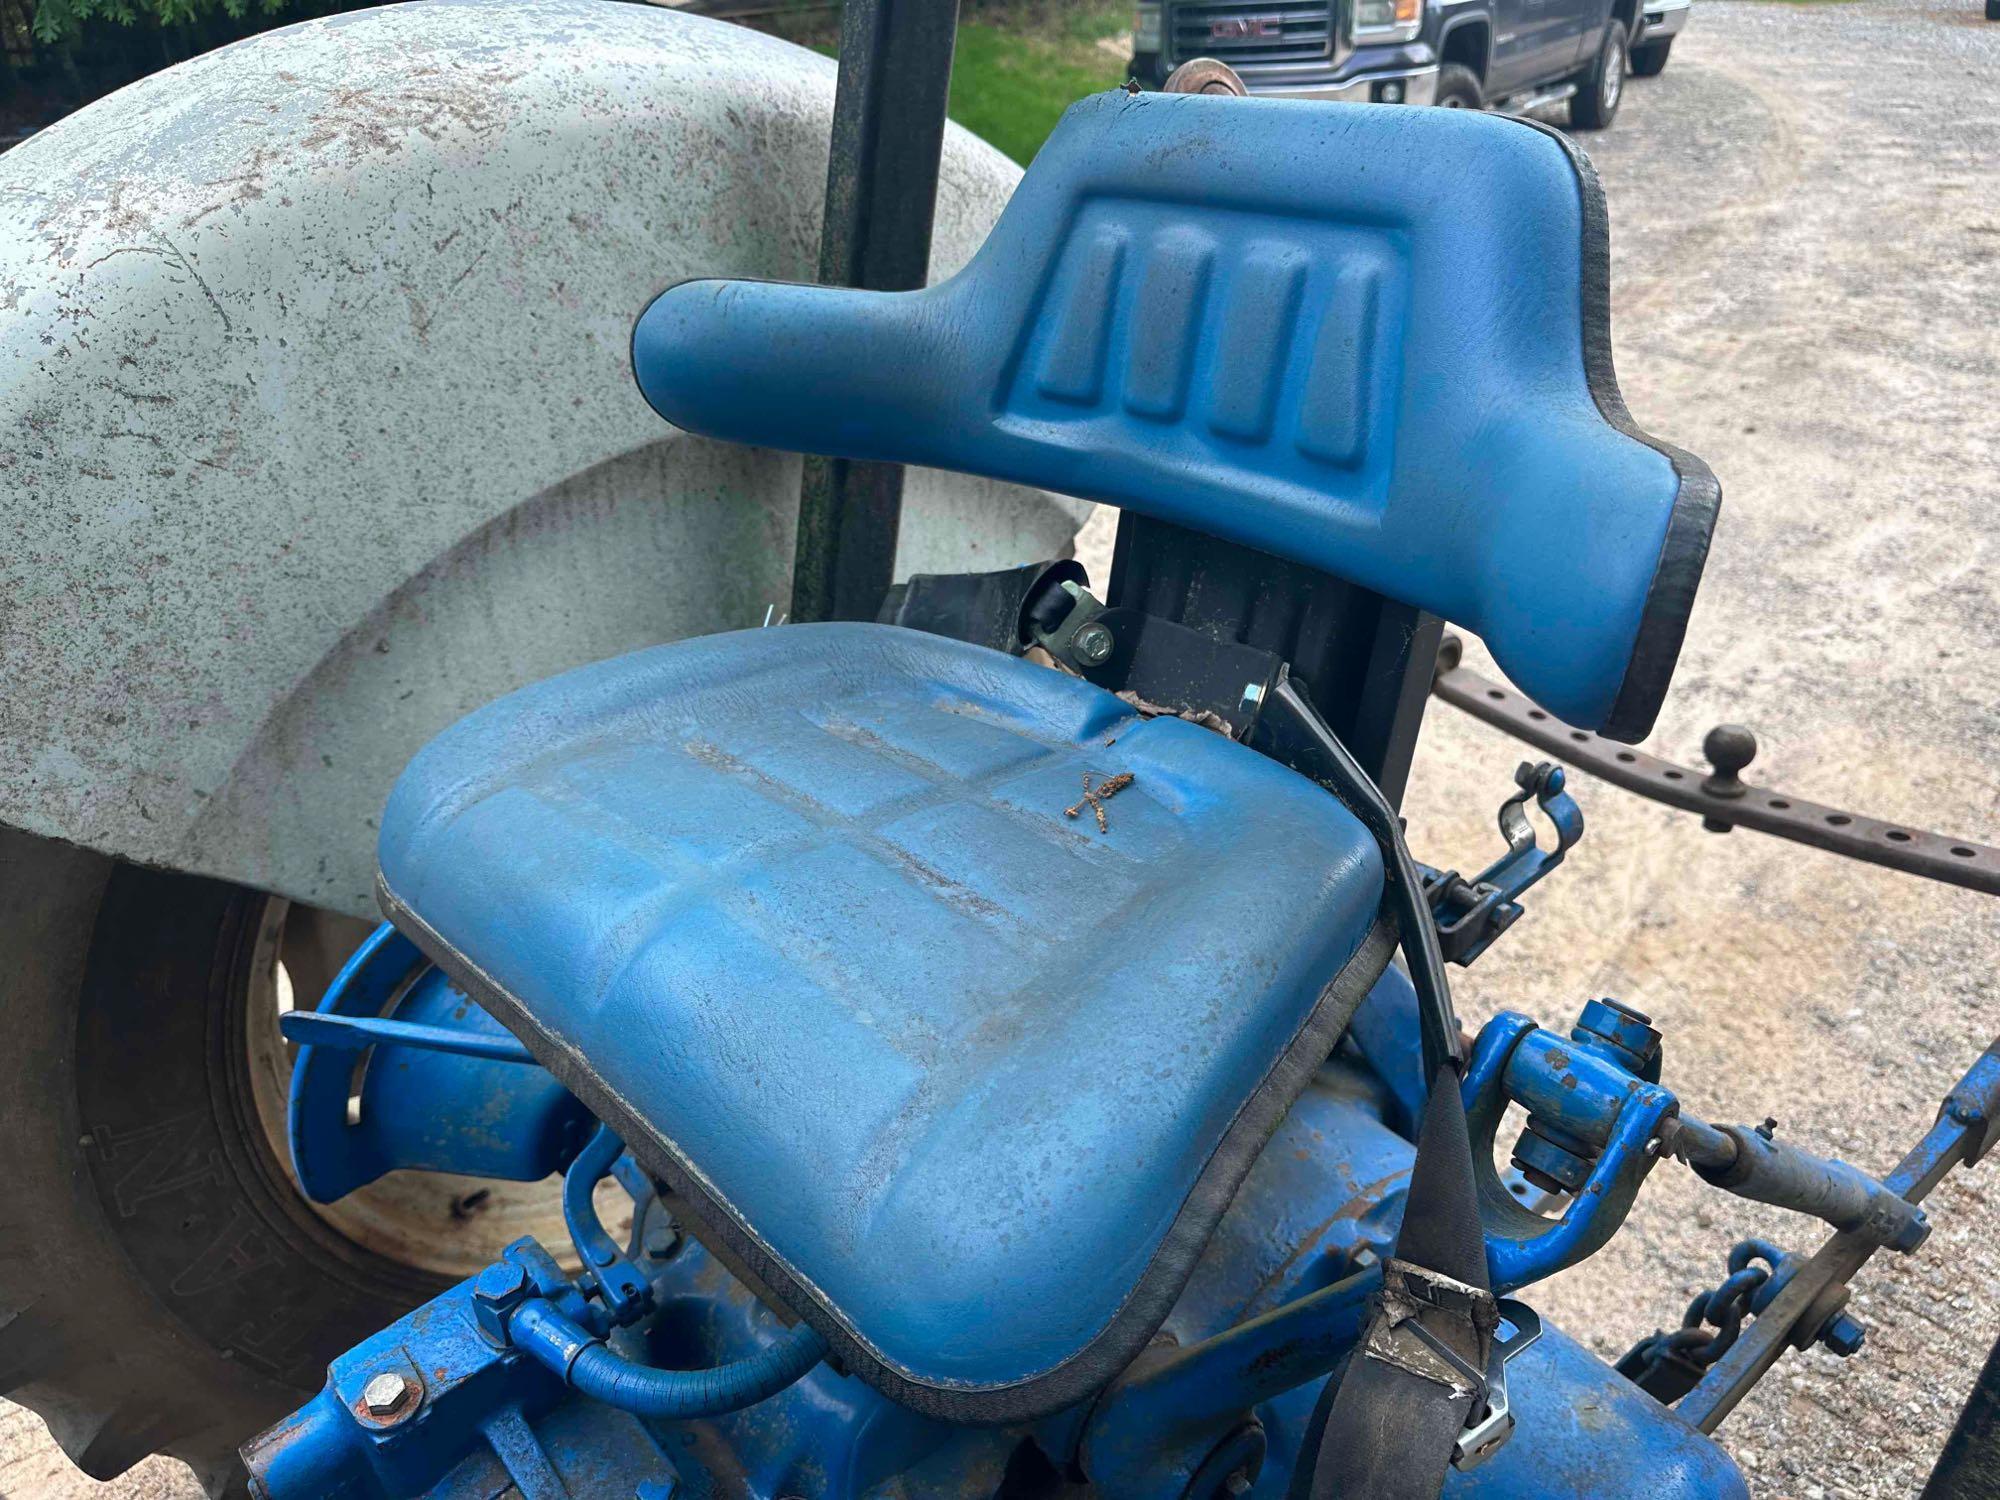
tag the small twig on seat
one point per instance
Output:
(1095, 800)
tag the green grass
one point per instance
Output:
(1019, 63)
(1015, 73)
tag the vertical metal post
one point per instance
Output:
(881, 195)
(1402, 659)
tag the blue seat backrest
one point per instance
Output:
(1372, 340)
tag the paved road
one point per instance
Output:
(1806, 233)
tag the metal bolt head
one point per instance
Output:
(1092, 644)
(1629, 1033)
(499, 1289)
(1914, 1233)
(503, 1281)
(1237, 1484)
(1844, 1336)
(388, 1394)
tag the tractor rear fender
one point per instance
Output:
(320, 424)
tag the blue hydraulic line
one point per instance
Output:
(583, 1361)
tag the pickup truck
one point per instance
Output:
(1514, 55)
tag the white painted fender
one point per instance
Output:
(317, 427)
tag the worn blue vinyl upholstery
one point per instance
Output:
(1371, 340)
(963, 1080)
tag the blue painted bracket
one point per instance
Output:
(443, 1086)
(1596, 1102)
(626, 1293)
(1471, 914)
(475, 1417)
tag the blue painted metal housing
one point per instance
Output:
(1318, 1210)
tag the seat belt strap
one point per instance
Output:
(1390, 1427)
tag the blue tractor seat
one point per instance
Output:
(1372, 341)
(963, 1080)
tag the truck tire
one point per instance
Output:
(1647, 61)
(1602, 87)
(163, 1287)
(1458, 88)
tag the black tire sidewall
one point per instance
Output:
(1456, 78)
(199, 1298)
(1586, 113)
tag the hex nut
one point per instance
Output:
(499, 1289)
(387, 1394)
(1844, 1336)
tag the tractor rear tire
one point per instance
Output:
(1969, 1467)
(163, 1287)
(1647, 61)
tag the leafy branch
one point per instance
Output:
(60, 21)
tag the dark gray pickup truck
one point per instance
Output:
(1516, 55)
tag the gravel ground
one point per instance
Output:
(1806, 242)
(1806, 233)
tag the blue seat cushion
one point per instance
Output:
(962, 1080)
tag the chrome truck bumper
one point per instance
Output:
(1390, 86)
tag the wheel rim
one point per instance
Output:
(1452, 101)
(1613, 82)
(435, 1222)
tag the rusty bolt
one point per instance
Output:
(389, 1396)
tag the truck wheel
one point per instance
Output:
(1598, 92)
(163, 1286)
(1458, 87)
(1647, 61)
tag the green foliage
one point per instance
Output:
(64, 21)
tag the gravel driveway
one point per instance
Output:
(1806, 241)
(1805, 214)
